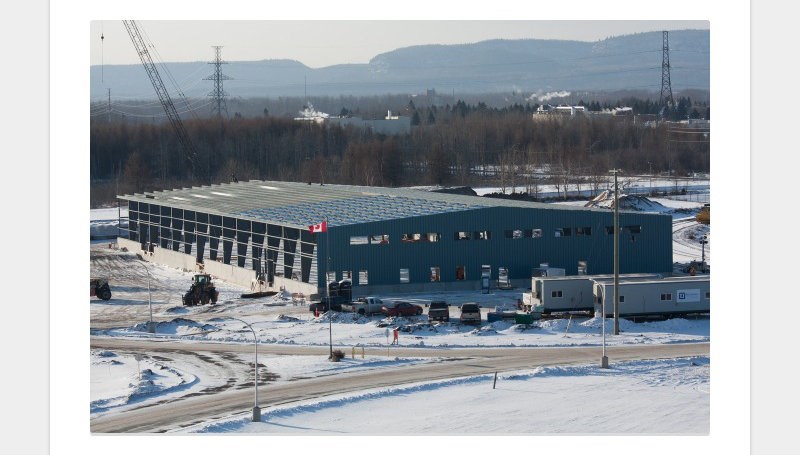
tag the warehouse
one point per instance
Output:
(382, 239)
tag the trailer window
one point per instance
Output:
(359, 240)
(667, 296)
(536, 233)
(583, 231)
(483, 235)
(563, 232)
(461, 274)
(556, 294)
(435, 276)
(363, 277)
(462, 235)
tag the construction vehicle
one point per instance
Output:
(98, 287)
(202, 291)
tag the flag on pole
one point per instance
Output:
(321, 227)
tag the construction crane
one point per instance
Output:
(163, 95)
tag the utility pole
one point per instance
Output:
(616, 252)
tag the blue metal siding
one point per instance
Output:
(650, 252)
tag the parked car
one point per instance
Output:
(470, 313)
(401, 309)
(439, 310)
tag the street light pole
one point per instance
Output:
(151, 328)
(256, 409)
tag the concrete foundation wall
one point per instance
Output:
(226, 272)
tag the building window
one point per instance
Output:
(621, 299)
(461, 273)
(708, 295)
(347, 275)
(536, 233)
(435, 276)
(609, 230)
(379, 239)
(410, 238)
(404, 276)
(433, 236)
(583, 267)
(667, 296)
(483, 235)
(363, 278)
(563, 232)
(462, 235)
(558, 294)
(583, 231)
(331, 276)
(633, 229)
(359, 240)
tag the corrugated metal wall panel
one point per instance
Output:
(650, 252)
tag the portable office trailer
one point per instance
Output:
(668, 296)
(570, 293)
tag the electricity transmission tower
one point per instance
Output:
(666, 85)
(218, 93)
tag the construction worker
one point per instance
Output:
(396, 333)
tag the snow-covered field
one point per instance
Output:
(665, 396)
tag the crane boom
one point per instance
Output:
(161, 91)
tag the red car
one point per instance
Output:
(401, 309)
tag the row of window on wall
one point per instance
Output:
(405, 275)
(382, 239)
(664, 296)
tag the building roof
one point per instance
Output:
(302, 204)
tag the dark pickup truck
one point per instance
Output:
(439, 310)
(335, 301)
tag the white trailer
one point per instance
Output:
(569, 293)
(668, 296)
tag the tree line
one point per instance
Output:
(458, 144)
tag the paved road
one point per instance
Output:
(450, 363)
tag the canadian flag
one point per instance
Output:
(321, 227)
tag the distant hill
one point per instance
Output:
(630, 62)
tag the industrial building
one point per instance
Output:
(382, 239)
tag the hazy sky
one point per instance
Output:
(323, 43)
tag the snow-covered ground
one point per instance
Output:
(660, 397)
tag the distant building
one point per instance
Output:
(309, 114)
(562, 111)
(391, 124)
